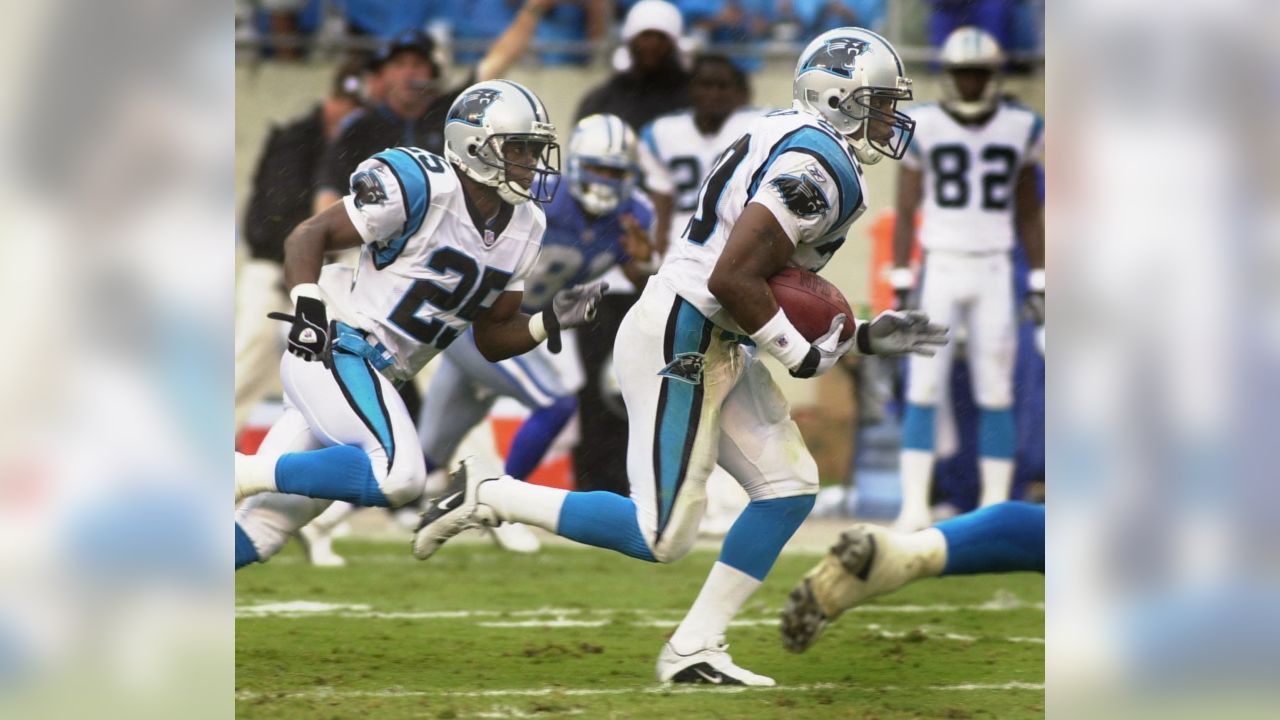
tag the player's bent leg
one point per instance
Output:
(265, 522)
(372, 456)
(536, 434)
(454, 403)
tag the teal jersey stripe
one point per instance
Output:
(680, 409)
(415, 189)
(360, 386)
(829, 152)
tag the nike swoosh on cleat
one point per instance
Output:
(716, 680)
(444, 504)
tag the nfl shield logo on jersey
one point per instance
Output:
(686, 367)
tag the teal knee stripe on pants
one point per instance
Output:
(363, 392)
(679, 406)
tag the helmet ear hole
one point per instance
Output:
(471, 149)
(833, 102)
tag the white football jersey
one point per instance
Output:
(675, 157)
(969, 175)
(796, 165)
(429, 263)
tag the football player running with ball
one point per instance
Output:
(783, 195)
(446, 243)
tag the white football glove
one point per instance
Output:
(898, 333)
(571, 308)
(825, 351)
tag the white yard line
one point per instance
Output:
(307, 608)
(332, 693)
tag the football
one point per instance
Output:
(810, 302)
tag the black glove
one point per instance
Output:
(309, 333)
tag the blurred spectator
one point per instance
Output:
(385, 18)
(815, 17)
(290, 20)
(650, 82)
(480, 20)
(994, 16)
(572, 21)
(412, 108)
(281, 198)
(735, 22)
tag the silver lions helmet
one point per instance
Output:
(498, 133)
(602, 163)
(854, 79)
(971, 49)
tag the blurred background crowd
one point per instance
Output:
(577, 32)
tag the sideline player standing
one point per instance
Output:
(785, 194)
(444, 244)
(677, 150)
(972, 167)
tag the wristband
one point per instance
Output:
(1035, 280)
(309, 290)
(900, 278)
(537, 328)
(782, 340)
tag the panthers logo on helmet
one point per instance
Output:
(837, 56)
(801, 194)
(471, 107)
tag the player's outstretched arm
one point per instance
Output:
(503, 331)
(513, 41)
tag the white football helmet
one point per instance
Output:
(487, 118)
(601, 141)
(851, 77)
(971, 48)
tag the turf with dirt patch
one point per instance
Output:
(478, 633)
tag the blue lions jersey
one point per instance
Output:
(576, 248)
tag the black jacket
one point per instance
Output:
(378, 129)
(284, 184)
(636, 99)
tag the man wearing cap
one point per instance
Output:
(282, 189)
(650, 80)
(413, 109)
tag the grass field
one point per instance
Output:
(478, 633)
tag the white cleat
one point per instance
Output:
(516, 538)
(319, 548)
(710, 665)
(457, 510)
(865, 562)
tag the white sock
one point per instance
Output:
(916, 470)
(256, 473)
(997, 479)
(514, 501)
(721, 597)
(334, 514)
